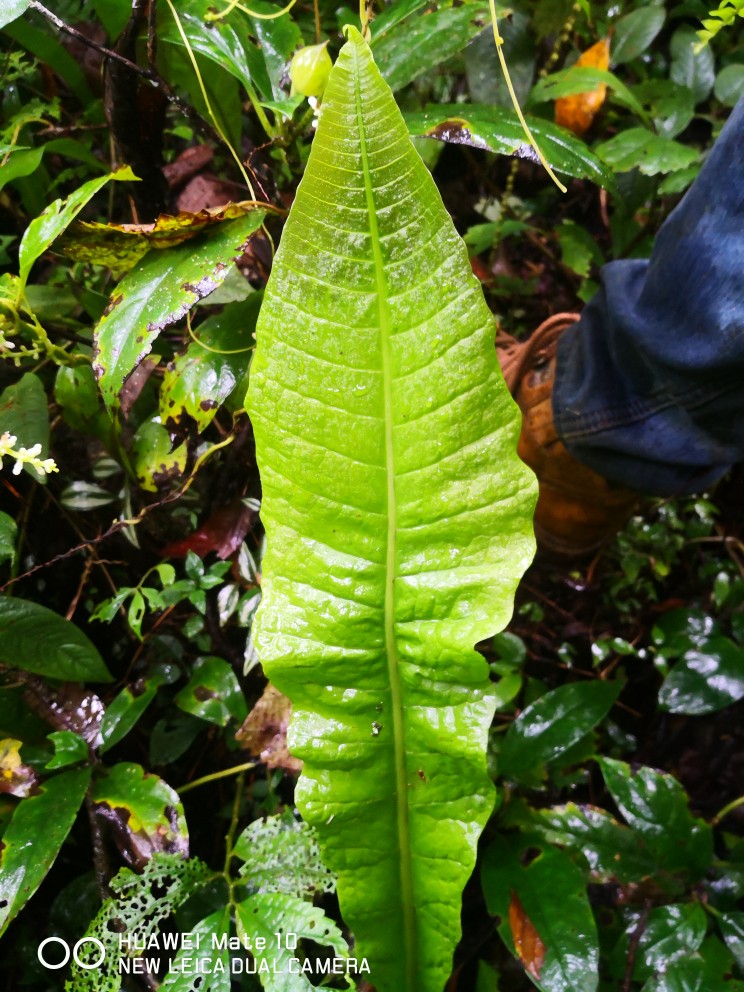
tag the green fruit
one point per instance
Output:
(310, 69)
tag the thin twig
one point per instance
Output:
(106, 52)
(635, 940)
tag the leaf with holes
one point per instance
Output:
(398, 524)
(546, 918)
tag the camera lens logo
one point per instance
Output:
(66, 952)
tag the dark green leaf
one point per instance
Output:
(498, 130)
(634, 33)
(213, 693)
(729, 85)
(705, 679)
(24, 414)
(127, 707)
(33, 839)
(652, 153)
(732, 930)
(682, 975)
(671, 106)
(484, 75)
(422, 42)
(655, 805)
(611, 851)
(671, 933)
(37, 640)
(46, 228)
(553, 723)
(83, 496)
(69, 748)
(159, 291)
(552, 895)
(393, 14)
(8, 533)
(694, 69)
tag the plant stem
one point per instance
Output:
(728, 808)
(225, 773)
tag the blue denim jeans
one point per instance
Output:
(649, 387)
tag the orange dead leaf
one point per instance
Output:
(527, 942)
(577, 112)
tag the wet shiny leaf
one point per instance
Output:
(421, 42)
(158, 292)
(554, 723)
(121, 246)
(655, 805)
(498, 130)
(127, 707)
(198, 381)
(732, 930)
(69, 749)
(635, 31)
(37, 640)
(638, 148)
(144, 813)
(393, 545)
(213, 693)
(705, 679)
(45, 229)
(156, 462)
(560, 939)
(34, 836)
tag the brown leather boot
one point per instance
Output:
(577, 509)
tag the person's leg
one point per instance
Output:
(649, 383)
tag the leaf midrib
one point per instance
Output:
(391, 651)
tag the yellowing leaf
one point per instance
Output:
(577, 112)
(121, 246)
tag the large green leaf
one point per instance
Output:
(160, 290)
(397, 516)
(33, 839)
(497, 129)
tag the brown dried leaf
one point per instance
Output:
(527, 942)
(121, 246)
(577, 112)
(264, 732)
